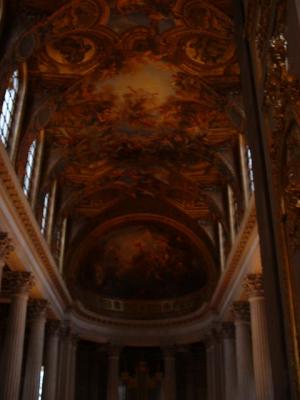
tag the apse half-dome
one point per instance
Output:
(142, 269)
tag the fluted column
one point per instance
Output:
(229, 360)
(37, 319)
(66, 390)
(61, 364)
(73, 358)
(210, 369)
(113, 373)
(6, 248)
(260, 341)
(21, 283)
(51, 360)
(243, 351)
(219, 360)
(170, 374)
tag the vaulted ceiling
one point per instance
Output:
(139, 104)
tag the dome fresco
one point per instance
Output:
(143, 261)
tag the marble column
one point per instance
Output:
(245, 375)
(210, 369)
(73, 358)
(219, 361)
(260, 340)
(20, 284)
(113, 373)
(37, 309)
(230, 372)
(6, 248)
(170, 374)
(66, 381)
(61, 364)
(51, 360)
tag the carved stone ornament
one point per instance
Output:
(227, 330)
(18, 282)
(37, 308)
(53, 327)
(6, 246)
(254, 285)
(240, 310)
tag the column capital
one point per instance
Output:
(53, 327)
(227, 330)
(18, 282)
(37, 308)
(211, 337)
(169, 351)
(113, 351)
(241, 311)
(75, 339)
(254, 285)
(6, 246)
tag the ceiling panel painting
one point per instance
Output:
(143, 116)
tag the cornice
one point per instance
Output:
(235, 259)
(26, 222)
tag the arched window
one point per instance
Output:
(42, 373)
(221, 245)
(60, 243)
(9, 107)
(29, 168)
(250, 169)
(45, 213)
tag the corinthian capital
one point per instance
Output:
(53, 327)
(37, 308)
(6, 246)
(227, 330)
(240, 310)
(18, 282)
(254, 285)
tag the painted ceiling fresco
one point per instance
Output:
(139, 103)
(143, 262)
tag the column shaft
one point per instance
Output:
(245, 374)
(113, 374)
(229, 361)
(37, 310)
(51, 362)
(209, 370)
(72, 378)
(13, 348)
(170, 375)
(21, 283)
(260, 340)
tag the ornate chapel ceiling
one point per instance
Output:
(138, 102)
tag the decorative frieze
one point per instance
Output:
(6, 246)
